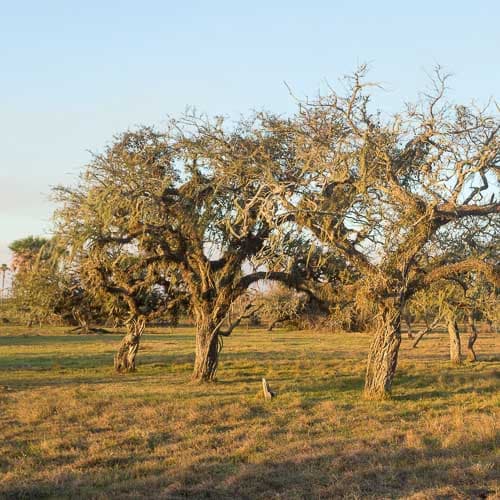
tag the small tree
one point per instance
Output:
(282, 304)
(34, 289)
(133, 289)
(44, 289)
(26, 251)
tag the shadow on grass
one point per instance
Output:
(290, 355)
(77, 362)
(317, 391)
(379, 472)
(67, 370)
(323, 470)
(107, 338)
(421, 386)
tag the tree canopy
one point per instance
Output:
(335, 197)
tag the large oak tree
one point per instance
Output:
(191, 199)
(379, 189)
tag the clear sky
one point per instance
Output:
(73, 73)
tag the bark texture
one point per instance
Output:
(209, 334)
(207, 353)
(383, 356)
(455, 347)
(127, 352)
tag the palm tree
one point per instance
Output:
(3, 269)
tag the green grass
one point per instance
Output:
(72, 428)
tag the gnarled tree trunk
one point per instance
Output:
(455, 348)
(471, 354)
(207, 352)
(209, 334)
(383, 355)
(125, 357)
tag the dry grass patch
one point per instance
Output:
(72, 428)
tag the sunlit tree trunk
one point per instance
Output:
(208, 343)
(471, 354)
(127, 352)
(207, 352)
(210, 316)
(454, 335)
(383, 355)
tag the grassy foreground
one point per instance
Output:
(71, 428)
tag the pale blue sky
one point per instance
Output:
(75, 73)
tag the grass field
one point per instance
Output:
(72, 428)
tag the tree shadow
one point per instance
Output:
(325, 470)
(92, 369)
(421, 386)
(107, 338)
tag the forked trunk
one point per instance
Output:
(471, 354)
(455, 348)
(383, 355)
(207, 353)
(125, 357)
(209, 335)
